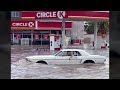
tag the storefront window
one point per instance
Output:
(56, 32)
(26, 36)
(45, 39)
(45, 42)
(38, 38)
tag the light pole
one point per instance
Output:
(63, 34)
(95, 34)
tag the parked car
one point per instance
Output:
(67, 56)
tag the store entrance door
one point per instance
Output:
(25, 41)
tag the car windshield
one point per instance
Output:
(57, 53)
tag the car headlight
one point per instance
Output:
(27, 59)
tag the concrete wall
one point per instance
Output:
(99, 39)
(77, 29)
(68, 33)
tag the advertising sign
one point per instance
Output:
(29, 24)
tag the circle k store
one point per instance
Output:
(36, 27)
(32, 31)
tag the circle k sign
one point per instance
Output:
(31, 24)
(23, 24)
(51, 14)
(61, 14)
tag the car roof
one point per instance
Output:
(72, 50)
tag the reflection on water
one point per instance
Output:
(21, 69)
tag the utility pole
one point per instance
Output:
(95, 34)
(63, 34)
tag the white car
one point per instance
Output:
(67, 56)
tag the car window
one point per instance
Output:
(69, 53)
(56, 54)
(76, 53)
(59, 53)
(65, 53)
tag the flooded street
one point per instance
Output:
(21, 69)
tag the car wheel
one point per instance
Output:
(89, 61)
(42, 62)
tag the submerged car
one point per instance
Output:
(67, 56)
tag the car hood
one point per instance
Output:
(41, 57)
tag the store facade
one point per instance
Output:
(26, 32)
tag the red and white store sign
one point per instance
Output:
(63, 14)
(46, 37)
(45, 14)
(37, 37)
(54, 24)
(51, 14)
(18, 37)
(29, 24)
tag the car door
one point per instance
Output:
(76, 57)
(62, 58)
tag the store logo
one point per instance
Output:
(53, 14)
(61, 14)
(31, 24)
(23, 24)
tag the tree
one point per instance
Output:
(106, 25)
(103, 27)
(89, 27)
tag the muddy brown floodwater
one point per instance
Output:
(21, 69)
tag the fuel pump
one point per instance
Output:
(55, 42)
(52, 43)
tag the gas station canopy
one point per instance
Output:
(67, 15)
(89, 15)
